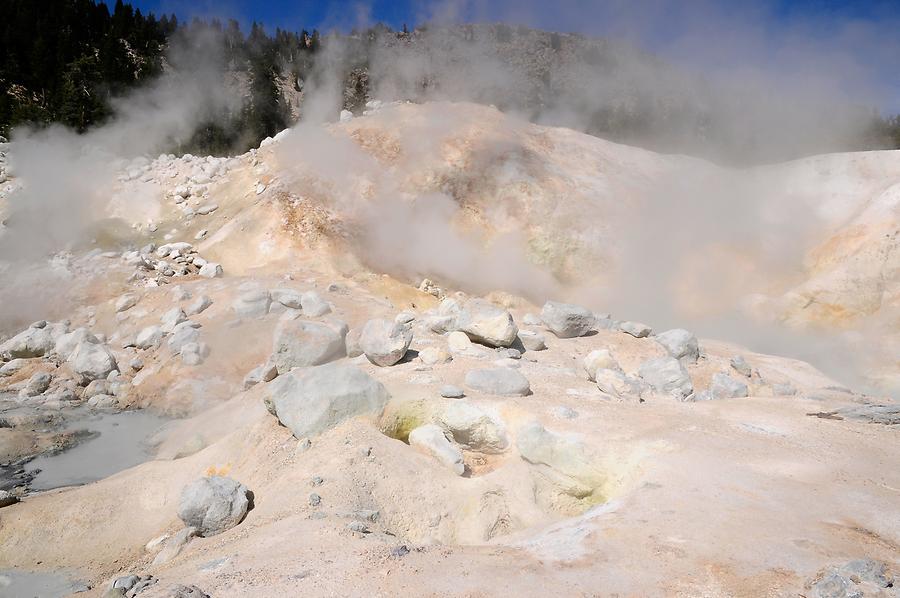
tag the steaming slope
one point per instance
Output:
(477, 200)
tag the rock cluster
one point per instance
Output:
(157, 265)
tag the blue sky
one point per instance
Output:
(844, 47)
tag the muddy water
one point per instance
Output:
(118, 441)
(28, 584)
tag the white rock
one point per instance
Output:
(172, 318)
(213, 505)
(502, 381)
(680, 344)
(301, 343)
(472, 427)
(486, 323)
(384, 343)
(346, 116)
(566, 320)
(149, 338)
(312, 400)
(126, 302)
(565, 455)
(430, 439)
(183, 334)
(723, 386)
(313, 305)
(458, 342)
(92, 361)
(615, 383)
(31, 342)
(635, 329)
(597, 360)
(287, 297)
(532, 341)
(197, 306)
(434, 356)
(211, 270)
(666, 375)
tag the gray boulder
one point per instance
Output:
(635, 329)
(211, 270)
(184, 334)
(566, 320)
(301, 343)
(213, 505)
(741, 366)
(486, 323)
(449, 391)
(532, 341)
(92, 361)
(666, 375)
(287, 297)
(615, 383)
(384, 343)
(500, 381)
(310, 401)
(680, 344)
(430, 439)
(723, 386)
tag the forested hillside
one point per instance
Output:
(65, 60)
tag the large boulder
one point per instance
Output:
(566, 320)
(564, 455)
(474, 428)
(313, 400)
(666, 375)
(212, 505)
(486, 323)
(92, 361)
(301, 343)
(31, 342)
(430, 439)
(680, 344)
(502, 381)
(385, 343)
